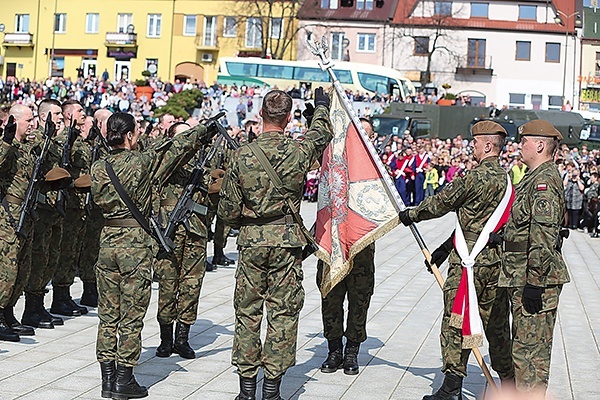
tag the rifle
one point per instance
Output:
(29, 204)
(185, 205)
(65, 162)
(97, 140)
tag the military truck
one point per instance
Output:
(423, 120)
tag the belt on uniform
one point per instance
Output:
(168, 202)
(12, 199)
(515, 247)
(279, 220)
(122, 223)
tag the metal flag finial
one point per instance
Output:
(319, 50)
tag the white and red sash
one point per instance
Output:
(465, 309)
(400, 171)
(424, 160)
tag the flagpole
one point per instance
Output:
(326, 64)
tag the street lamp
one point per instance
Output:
(576, 24)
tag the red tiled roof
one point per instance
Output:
(311, 10)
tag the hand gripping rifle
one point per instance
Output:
(28, 208)
(65, 162)
(185, 206)
(96, 139)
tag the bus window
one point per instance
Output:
(241, 69)
(590, 132)
(275, 71)
(420, 128)
(344, 76)
(374, 83)
(310, 74)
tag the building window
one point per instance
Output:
(555, 102)
(364, 4)
(60, 23)
(337, 45)
(123, 22)
(597, 63)
(58, 67)
(276, 28)
(22, 23)
(152, 66)
(528, 12)
(91, 23)
(189, 25)
(230, 27)
(329, 4)
(479, 10)
(443, 8)
(366, 42)
(516, 100)
(210, 32)
(553, 52)
(476, 53)
(154, 22)
(254, 33)
(421, 46)
(523, 51)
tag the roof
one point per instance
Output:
(311, 10)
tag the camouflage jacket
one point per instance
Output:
(16, 166)
(473, 197)
(248, 196)
(535, 221)
(80, 162)
(138, 171)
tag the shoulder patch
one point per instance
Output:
(542, 207)
(542, 187)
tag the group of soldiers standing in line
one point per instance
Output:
(115, 251)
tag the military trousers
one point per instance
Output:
(494, 312)
(357, 286)
(15, 256)
(90, 245)
(70, 246)
(221, 229)
(270, 277)
(532, 339)
(124, 277)
(180, 278)
(45, 250)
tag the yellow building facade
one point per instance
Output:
(169, 38)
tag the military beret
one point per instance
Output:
(56, 174)
(539, 127)
(487, 128)
(84, 181)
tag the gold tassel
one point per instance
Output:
(456, 321)
(472, 341)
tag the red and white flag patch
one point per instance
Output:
(542, 187)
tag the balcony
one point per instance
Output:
(121, 39)
(470, 65)
(18, 39)
(206, 45)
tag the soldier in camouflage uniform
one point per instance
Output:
(47, 232)
(16, 167)
(181, 272)
(474, 198)
(533, 269)
(126, 251)
(358, 285)
(269, 271)
(74, 221)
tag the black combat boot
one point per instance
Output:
(107, 368)
(90, 295)
(335, 358)
(6, 332)
(165, 349)
(32, 315)
(351, 358)
(56, 321)
(270, 389)
(219, 257)
(451, 389)
(247, 389)
(126, 387)
(61, 304)
(210, 267)
(17, 327)
(181, 346)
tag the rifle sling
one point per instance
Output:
(135, 212)
(278, 184)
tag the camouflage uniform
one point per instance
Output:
(74, 221)
(222, 230)
(126, 250)
(269, 271)
(358, 286)
(16, 166)
(181, 273)
(474, 198)
(532, 255)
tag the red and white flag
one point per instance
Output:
(355, 206)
